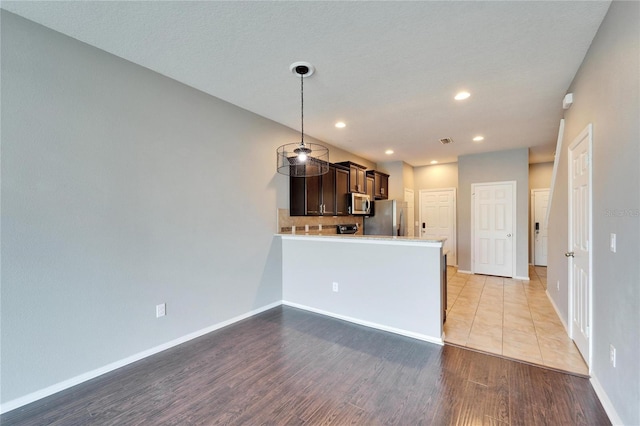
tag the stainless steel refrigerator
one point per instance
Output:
(389, 218)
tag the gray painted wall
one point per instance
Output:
(511, 165)
(606, 93)
(397, 183)
(123, 189)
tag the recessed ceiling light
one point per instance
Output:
(341, 125)
(434, 162)
(478, 138)
(389, 152)
(462, 95)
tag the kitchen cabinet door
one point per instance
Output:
(370, 187)
(380, 184)
(342, 191)
(328, 199)
(356, 176)
(313, 196)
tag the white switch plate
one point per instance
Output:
(612, 244)
(612, 355)
(161, 310)
(335, 287)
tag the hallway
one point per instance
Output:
(509, 317)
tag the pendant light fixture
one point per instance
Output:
(302, 159)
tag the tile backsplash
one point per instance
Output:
(313, 223)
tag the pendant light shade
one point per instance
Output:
(302, 159)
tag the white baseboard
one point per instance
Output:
(597, 387)
(564, 324)
(66, 384)
(418, 336)
(521, 278)
(461, 271)
(606, 402)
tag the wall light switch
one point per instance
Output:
(612, 244)
(612, 355)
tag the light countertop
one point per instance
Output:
(374, 239)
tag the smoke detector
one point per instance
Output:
(446, 141)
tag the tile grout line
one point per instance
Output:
(534, 322)
(530, 293)
(475, 313)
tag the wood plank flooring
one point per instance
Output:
(291, 367)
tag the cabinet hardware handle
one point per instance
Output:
(569, 254)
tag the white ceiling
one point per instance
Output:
(388, 69)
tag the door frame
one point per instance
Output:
(514, 220)
(532, 222)
(587, 133)
(411, 225)
(454, 242)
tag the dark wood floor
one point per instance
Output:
(287, 366)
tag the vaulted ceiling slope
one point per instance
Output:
(389, 70)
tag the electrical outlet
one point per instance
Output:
(612, 355)
(335, 287)
(161, 310)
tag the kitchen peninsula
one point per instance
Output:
(390, 283)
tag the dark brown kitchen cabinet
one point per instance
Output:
(328, 200)
(380, 184)
(370, 187)
(313, 196)
(356, 176)
(342, 191)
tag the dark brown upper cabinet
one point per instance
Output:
(342, 191)
(370, 186)
(313, 196)
(357, 172)
(380, 184)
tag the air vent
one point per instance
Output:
(446, 141)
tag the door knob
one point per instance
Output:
(569, 254)
(508, 235)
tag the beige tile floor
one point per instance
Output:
(509, 317)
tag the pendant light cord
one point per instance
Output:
(302, 109)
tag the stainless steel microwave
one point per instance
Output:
(359, 204)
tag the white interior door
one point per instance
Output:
(409, 199)
(493, 228)
(539, 225)
(579, 254)
(438, 218)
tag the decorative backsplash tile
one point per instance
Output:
(328, 223)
